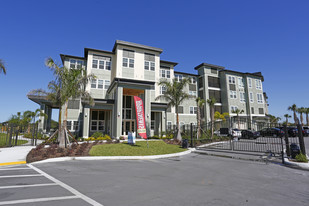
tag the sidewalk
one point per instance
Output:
(14, 155)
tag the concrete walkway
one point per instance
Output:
(14, 155)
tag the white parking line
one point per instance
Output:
(23, 168)
(37, 200)
(21, 186)
(10, 176)
(72, 190)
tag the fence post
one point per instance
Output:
(16, 136)
(10, 138)
(36, 138)
(191, 128)
(301, 139)
(33, 133)
(287, 144)
(282, 153)
(7, 135)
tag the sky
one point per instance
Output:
(270, 36)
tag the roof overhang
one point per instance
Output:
(208, 65)
(141, 46)
(42, 100)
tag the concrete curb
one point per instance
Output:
(150, 157)
(296, 165)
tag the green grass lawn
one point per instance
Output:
(139, 149)
(3, 140)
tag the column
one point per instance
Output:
(41, 124)
(117, 126)
(147, 106)
(86, 116)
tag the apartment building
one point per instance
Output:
(132, 69)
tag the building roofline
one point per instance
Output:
(63, 56)
(209, 65)
(257, 74)
(95, 50)
(190, 74)
(168, 62)
(131, 44)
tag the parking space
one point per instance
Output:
(28, 185)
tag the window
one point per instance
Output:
(233, 108)
(192, 89)
(260, 98)
(242, 97)
(215, 94)
(251, 97)
(93, 83)
(180, 109)
(261, 110)
(193, 93)
(231, 80)
(165, 73)
(193, 110)
(76, 64)
(213, 82)
(169, 125)
(200, 82)
(240, 82)
(252, 110)
(128, 58)
(97, 120)
(214, 71)
(233, 94)
(193, 80)
(101, 62)
(152, 120)
(107, 84)
(127, 107)
(258, 84)
(69, 125)
(178, 77)
(73, 125)
(162, 90)
(150, 62)
(99, 84)
(250, 82)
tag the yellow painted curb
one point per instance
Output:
(12, 163)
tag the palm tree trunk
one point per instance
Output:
(238, 121)
(198, 122)
(307, 119)
(301, 119)
(63, 136)
(179, 138)
(212, 121)
(295, 118)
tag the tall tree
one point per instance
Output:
(307, 115)
(287, 116)
(211, 102)
(2, 67)
(293, 108)
(238, 112)
(174, 95)
(199, 102)
(301, 110)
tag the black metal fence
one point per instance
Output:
(14, 135)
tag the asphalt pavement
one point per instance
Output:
(189, 180)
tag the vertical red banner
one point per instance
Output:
(140, 117)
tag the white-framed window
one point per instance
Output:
(97, 122)
(234, 108)
(153, 122)
(169, 125)
(193, 80)
(73, 125)
(128, 58)
(149, 62)
(251, 97)
(178, 77)
(164, 73)
(193, 110)
(242, 96)
(76, 64)
(232, 80)
(233, 94)
(250, 82)
(101, 62)
(162, 90)
(193, 93)
(260, 98)
(99, 84)
(240, 82)
(258, 84)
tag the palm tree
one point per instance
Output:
(238, 112)
(200, 102)
(211, 102)
(287, 116)
(301, 110)
(306, 111)
(294, 109)
(68, 84)
(174, 95)
(2, 67)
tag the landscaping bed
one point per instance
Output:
(100, 148)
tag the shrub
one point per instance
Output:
(301, 158)
(154, 137)
(121, 138)
(97, 135)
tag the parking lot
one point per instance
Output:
(189, 180)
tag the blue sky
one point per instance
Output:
(268, 36)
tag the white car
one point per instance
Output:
(236, 133)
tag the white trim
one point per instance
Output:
(13, 202)
(21, 186)
(218, 104)
(214, 88)
(11, 176)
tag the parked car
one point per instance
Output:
(236, 133)
(249, 134)
(292, 131)
(306, 131)
(271, 132)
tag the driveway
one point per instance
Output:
(190, 180)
